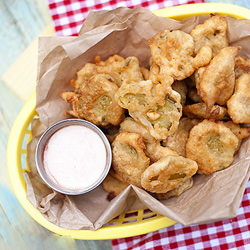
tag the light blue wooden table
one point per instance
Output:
(21, 22)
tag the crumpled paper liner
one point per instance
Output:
(126, 32)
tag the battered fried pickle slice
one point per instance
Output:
(113, 186)
(212, 33)
(83, 76)
(182, 89)
(177, 141)
(242, 66)
(239, 103)
(240, 132)
(129, 159)
(96, 102)
(212, 145)
(177, 191)
(145, 73)
(193, 95)
(172, 52)
(127, 70)
(197, 78)
(168, 173)
(217, 82)
(154, 150)
(120, 69)
(156, 108)
(131, 126)
(199, 110)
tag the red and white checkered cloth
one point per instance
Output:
(68, 16)
(222, 235)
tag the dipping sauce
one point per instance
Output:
(75, 157)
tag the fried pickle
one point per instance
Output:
(113, 186)
(156, 108)
(129, 159)
(212, 33)
(218, 79)
(130, 125)
(172, 52)
(181, 88)
(96, 102)
(120, 69)
(199, 111)
(177, 141)
(240, 132)
(154, 150)
(242, 65)
(239, 103)
(177, 191)
(193, 95)
(168, 173)
(145, 73)
(212, 145)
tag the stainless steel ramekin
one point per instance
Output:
(43, 142)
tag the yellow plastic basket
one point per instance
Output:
(133, 222)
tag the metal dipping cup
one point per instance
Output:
(43, 142)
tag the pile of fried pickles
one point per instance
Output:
(186, 114)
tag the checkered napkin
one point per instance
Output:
(222, 235)
(68, 16)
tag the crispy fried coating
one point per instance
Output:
(120, 69)
(96, 102)
(197, 77)
(199, 111)
(156, 108)
(239, 103)
(154, 150)
(177, 141)
(172, 52)
(177, 191)
(113, 186)
(240, 132)
(127, 70)
(182, 89)
(242, 66)
(212, 145)
(129, 159)
(168, 173)
(193, 95)
(130, 125)
(218, 79)
(145, 73)
(212, 33)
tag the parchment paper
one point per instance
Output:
(126, 32)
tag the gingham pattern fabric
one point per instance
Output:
(68, 15)
(222, 235)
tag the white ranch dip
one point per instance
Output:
(75, 157)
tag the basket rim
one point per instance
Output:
(13, 163)
(28, 111)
